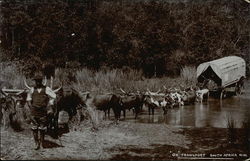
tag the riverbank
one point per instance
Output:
(87, 144)
(125, 141)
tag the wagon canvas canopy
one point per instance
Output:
(224, 71)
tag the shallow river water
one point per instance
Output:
(214, 113)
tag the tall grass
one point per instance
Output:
(246, 133)
(108, 80)
(130, 81)
(231, 127)
(188, 74)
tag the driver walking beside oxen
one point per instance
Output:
(40, 100)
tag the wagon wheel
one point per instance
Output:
(238, 89)
(222, 94)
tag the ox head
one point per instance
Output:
(12, 101)
(148, 92)
(123, 91)
(82, 95)
(7, 102)
(191, 88)
(139, 95)
(128, 93)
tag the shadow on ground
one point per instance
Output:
(50, 144)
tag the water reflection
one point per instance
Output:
(201, 115)
(213, 113)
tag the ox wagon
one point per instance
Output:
(223, 75)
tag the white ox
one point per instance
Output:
(200, 94)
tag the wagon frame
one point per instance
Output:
(227, 73)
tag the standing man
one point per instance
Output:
(40, 100)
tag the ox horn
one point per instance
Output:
(26, 85)
(4, 93)
(51, 82)
(150, 93)
(20, 92)
(74, 90)
(56, 90)
(123, 91)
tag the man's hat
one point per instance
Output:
(38, 76)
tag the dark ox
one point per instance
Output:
(104, 102)
(129, 102)
(189, 96)
(7, 110)
(153, 102)
(69, 101)
(11, 106)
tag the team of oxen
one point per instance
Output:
(73, 101)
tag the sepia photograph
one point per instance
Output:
(125, 80)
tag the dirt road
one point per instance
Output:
(87, 144)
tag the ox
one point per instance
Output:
(133, 101)
(103, 102)
(152, 103)
(156, 100)
(200, 93)
(68, 100)
(11, 105)
(175, 96)
(129, 102)
(189, 96)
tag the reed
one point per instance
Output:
(246, 133)
(231, 128)
(130, 81)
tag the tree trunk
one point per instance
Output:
(154, 70)
(13, 37)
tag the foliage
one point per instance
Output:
(157, 37)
